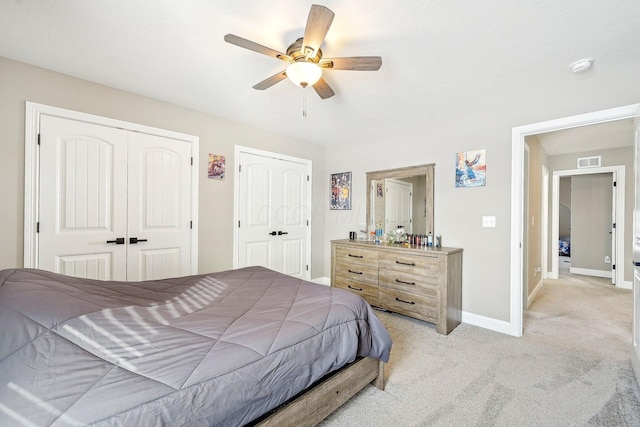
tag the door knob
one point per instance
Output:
(273, 233)
(117, 241)
(135, 240)
(280, 233)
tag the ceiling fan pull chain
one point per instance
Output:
(304, 103)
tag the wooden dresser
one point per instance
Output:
(423, 283)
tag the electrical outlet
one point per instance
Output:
(607, 259)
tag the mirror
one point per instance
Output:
(401, 197)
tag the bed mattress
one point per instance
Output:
(215, 349)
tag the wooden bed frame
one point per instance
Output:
(316, 403)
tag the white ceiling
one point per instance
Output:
(437, 55)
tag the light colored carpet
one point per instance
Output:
(571, 368)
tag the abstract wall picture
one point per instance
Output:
(471, 168)
(340, 191)
(216, 166)
(380, 189)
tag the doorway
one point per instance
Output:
(611, 183)
(517, 225)
(272, 212)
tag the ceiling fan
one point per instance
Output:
(305, 56)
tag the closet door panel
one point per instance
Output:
(159, 207)
(82, 199)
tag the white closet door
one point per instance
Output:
(82, 174)
(292, 218)
(113, 204)
(273, 214)
(257, 236)
(159, 200)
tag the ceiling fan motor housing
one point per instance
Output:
(296, 52)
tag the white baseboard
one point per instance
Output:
(589, 272)
(534, 294)
(486, 322)
(625, 285)
(322, 281)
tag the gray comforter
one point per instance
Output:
(216, 349)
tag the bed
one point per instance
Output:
(230, 348)
(564, 246)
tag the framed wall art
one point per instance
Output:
(471, 168)
(216, 167)
(340, 191)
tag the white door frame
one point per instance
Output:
(618, 219)
(33, 111)
(635, 355)
(517, 147)
(236, 196)
(526, 218)
(544, 224)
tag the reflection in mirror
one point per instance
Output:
(401, 198)
(400, 203)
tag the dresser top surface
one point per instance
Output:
(412, 249)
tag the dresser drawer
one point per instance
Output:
(417, 306)
(357, 256)
(408, 282)
(356, 272)
(366, 291)
(427, 265)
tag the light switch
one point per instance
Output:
(489, 221)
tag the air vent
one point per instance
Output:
(589, 162)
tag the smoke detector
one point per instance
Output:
(581, 65)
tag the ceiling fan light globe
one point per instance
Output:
(303, 73)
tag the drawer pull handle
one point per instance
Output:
(412, 264)
(354, 272)
(356, 256)
(405, 283)
(355, 289)
(406, 302)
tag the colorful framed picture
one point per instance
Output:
(340, 191)
(471, 168)
(216, 167)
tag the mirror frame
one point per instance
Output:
(426, 170)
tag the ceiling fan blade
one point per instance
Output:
(323, 89)
(267, 83)
(318, 23)
(248, 44)
(356, 63)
